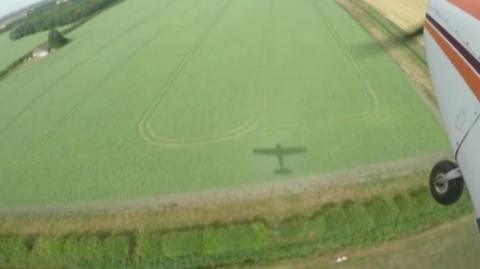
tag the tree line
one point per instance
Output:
(53, 15)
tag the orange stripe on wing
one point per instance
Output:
(472, 7)
(465, 70)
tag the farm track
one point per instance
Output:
(77, 67)
(235, 195)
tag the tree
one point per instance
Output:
(56, 39)
(52, 15)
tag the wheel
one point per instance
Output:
(445, 193)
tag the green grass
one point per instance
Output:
(156, 97)
(55, 252)
(454, 245)
(334, 227)
(14, 251)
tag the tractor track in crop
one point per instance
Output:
(144, 126)
(371, 95)
(98, 86)
(80, 65)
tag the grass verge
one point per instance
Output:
(452, 245)
(334, 226)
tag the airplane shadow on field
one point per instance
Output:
(279, 151)
(372, 48)
(369, 49)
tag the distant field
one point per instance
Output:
(407, 14)
(156, 97)
(13, 50)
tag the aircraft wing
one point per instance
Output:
(293, 150)
(280, 151)
(272, 151)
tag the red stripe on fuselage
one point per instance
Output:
(466, 71)
(472, 7)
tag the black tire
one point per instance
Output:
(447, 193)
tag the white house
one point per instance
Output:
(40, 53)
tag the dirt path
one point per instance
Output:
(452, 245)
(366, 173)
(273, 202)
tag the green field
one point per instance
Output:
(12, 50)
(156, 97)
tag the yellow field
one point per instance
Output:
(407, 14)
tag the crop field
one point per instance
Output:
(407, 14)
(157, 97)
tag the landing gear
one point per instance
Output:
(446, 182)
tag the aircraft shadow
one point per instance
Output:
(280, 152)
